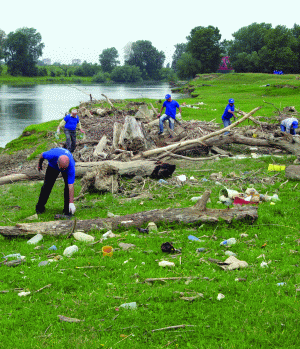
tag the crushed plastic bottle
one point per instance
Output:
(80, 236)
(228, 242)
(229, 253)
(131, 305)
(15, 255)
(70, 250)
(37, 238)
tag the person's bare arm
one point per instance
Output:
(71, 193)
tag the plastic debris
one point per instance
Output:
(14, 255)
(131, 305)
(229, 253)
(166, 264)
(264, 265)
(193, 238)
(70, 250)
(108, 234)
(35, 239)
(152, 226)
(182, 178)
(228, 242)
(162, 181)
(234, 263)
(220, 296)
(23, 294)
(80, 236)
(43, 263)
(126, 247)
(52, 248)
(281, 283)
(200, 249)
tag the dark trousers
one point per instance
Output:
(70, 140)
(50, 178)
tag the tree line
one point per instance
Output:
(254, 48)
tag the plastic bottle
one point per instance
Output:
(228, 242)
(229, 253)
(35, 239)
(131, 305)
(15, 255)
(80, 236)
(70, 250)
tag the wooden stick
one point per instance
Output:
(194, 159)
(201, 204)
(172, 327)
(108, 100)
(47, 286)
(171, 278)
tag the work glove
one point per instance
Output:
(179, 116)
(72, 208)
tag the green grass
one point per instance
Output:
(256, 313)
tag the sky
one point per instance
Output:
(81, 30)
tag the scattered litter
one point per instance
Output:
(32, 218)
(191, 299)
(70, 250)
(261, 256)
(229, 253)
(166, 264)
(143, 231)
(126, 247)
(23, 294)
(107, 251)
(41, 247)
(220, 296)
(228, 242)
(264, 265)
(273, 167)
(233, 263)
(80, 236)
(200, 249)
(108, 234)
(240, 279)
(162, 181)
(204, 179)
(131, 305)
(68, 319)
(15, 255)
(43, 263)
(52, 248)
(152, 226)
(110, 215)
(35, 239)
(243, 235)
(182, 178)
(281, 283)
(193, 238)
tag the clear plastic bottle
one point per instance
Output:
(70, 250)
(228, 242)
(35, 239)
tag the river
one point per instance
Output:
(21, 106)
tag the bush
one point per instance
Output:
(126, 73)
(42, 71)
(101, 77)
(52, 73)
(87, 69)
(168, 74)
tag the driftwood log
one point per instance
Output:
(132, 136)
(129, 169)
(195, 214)
(100, 147)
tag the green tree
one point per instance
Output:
(87, 69)
(22, 50)
(2, 40)
(147, 58)
(179, 50)
(109, 59)
(204, 45)
(168, 74)
(188, 66)
(279, 51)
(126, 73)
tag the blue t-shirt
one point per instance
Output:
(71, 123)
(171, 108)
(227, 115)
(52, 157)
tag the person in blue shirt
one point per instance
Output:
(60, 160)
(289, 125)
(70, 122)
(170, 113)
(228, 114)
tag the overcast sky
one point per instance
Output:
(82, 29)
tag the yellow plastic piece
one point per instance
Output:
(107, 251)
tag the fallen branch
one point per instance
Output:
(108, 100)
(171, 278)
(172, 327)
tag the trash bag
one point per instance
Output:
(167, 247)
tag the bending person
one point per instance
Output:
(59, 160)
(289, 125)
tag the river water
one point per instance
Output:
(27, 105)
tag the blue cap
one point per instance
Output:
(231, 100)
(167, 96)
(295, 124)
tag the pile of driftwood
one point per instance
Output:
(119, 144)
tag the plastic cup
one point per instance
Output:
(107, 251)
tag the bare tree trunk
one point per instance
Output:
(177, 215)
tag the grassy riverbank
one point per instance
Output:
(261, 311)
